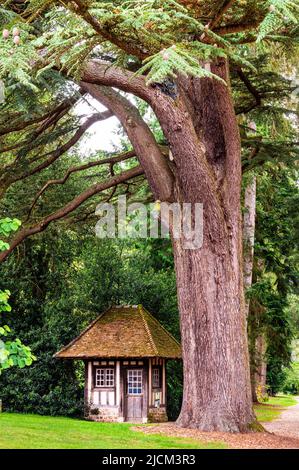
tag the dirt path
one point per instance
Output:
(283, 433)
(259, 440)
(287, 424)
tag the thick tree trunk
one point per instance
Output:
(206, 151)
(217, 394)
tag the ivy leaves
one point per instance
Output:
(15, 354)
(4, 305)
(12, 351)
(8, 225)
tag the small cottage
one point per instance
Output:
(125, 352)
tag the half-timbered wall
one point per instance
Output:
(125, 390)
(157, 390)
(157, 382)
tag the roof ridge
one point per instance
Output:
(82, 332)
(161, 326)
(141, 308)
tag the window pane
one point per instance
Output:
(156, 378)
(104, 378)
(134, 381)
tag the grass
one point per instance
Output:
(27, 431)
(282, 400)
(266, 412)
(271, 409)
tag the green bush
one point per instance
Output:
(174, 389)
(291, 383)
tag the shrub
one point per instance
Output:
(291, 383)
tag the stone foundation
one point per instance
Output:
(104, 414)
(110, 414)
(157, 415)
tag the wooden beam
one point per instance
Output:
(150, 382)
(163, 384)
(89, 382)
(117, 383)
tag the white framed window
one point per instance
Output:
(134, 381)
(104, 377)
(156, 377)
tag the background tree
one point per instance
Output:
(275, 271)
(58, 287)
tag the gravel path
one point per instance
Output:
(287, 424)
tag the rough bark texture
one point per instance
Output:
(217, 392)
(147, 150)
(216, 380)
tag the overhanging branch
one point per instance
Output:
(53, 156)
(98, 72)
(70, 207)
(112, 161)
(155, 165)
(82, 9)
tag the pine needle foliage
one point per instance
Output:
(174, 36)
(176, 58)
(280, 14)
(161, 40)
(14, 60)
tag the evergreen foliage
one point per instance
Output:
(281, 13)
(174, 37)
(275, 271)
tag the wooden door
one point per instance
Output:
(134, 394)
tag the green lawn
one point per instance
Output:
(272, 408)
(23, 431)
(282, 400)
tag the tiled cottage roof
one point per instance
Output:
(123, 331)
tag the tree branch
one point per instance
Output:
(112, 160)
(70, 207)
(236, 28)
(99, 72)
(61, 108)
(223, 9)
(255, 93)
(53, 156)
(81, 9)
(155, 165)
